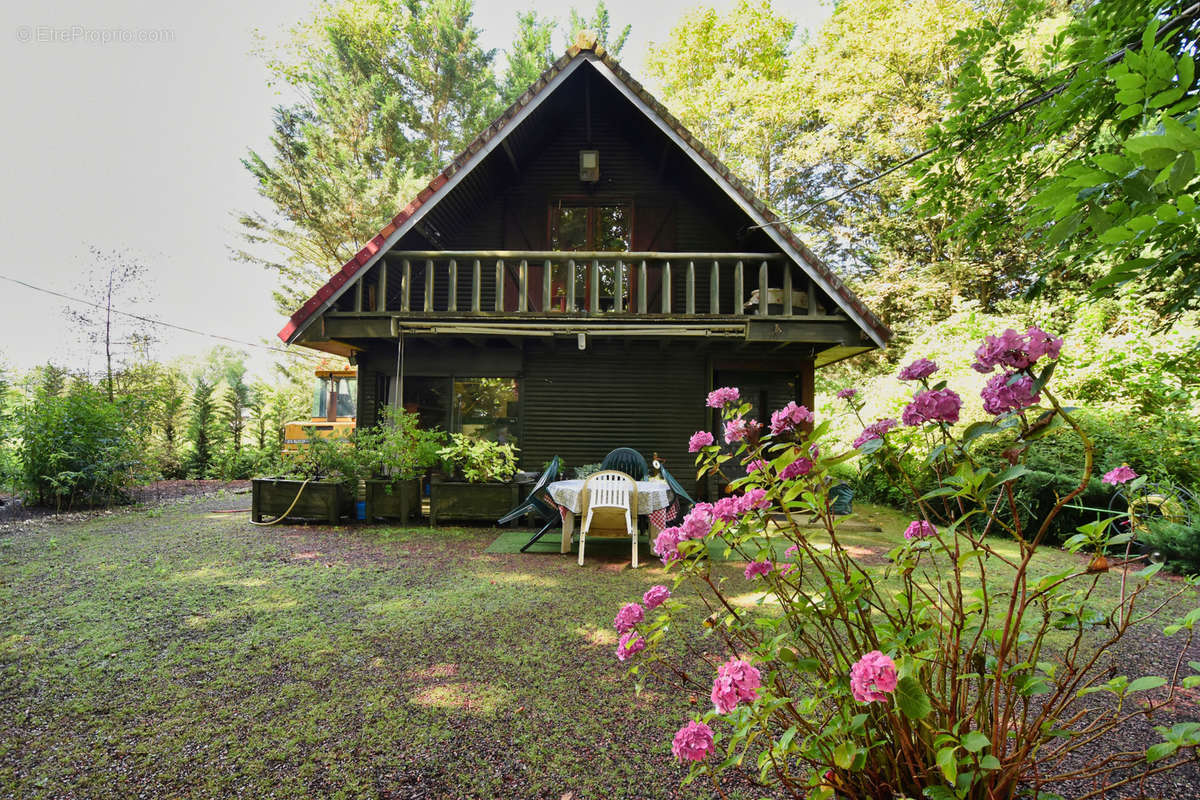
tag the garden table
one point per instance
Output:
(652, 495)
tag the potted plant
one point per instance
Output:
(391, 459)
(316, 487)
(480, 484)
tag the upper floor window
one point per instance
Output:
(578, 225)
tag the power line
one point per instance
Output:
(988, 123)
(153, 321)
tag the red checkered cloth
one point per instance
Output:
(660, 517)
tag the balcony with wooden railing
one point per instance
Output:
(549, 290)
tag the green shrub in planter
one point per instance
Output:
(481, 487)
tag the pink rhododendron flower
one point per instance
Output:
(756, 465)
(794, 550)
(755, 568)
(753, 499)
(876, 430)
(801, 466)
(785, 569)
(666, 545)
(736, 681)
(631, 643)
(1122, 474)
(726, 395)
(919, 529)
(738, 429)
(873, 677)
(1003, 394)
(1014, 350)
(700, 439)
(934, 405)
(655, 596)
(921, 368)
(693, 742)
(629, 615)
(698, 523)
(789, 418)
(726, 509)
(847, 393)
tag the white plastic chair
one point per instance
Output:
(614, 495)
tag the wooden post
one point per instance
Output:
(358, 295)
(476, 276)
(428, 285)
(788, 310)
(619, 290)
(714, 289)
(381, 291)
(739, 289)
(546, 285)
(689, 296)
(810, 298)
(523, 286)
(594, 288)
(500, 284)
(452, 302)
(406, 287)
(571, 284)
(641, 288)
(666, 287)
(762, 289)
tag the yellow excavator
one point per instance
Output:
(334, 411)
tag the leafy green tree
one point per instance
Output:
(1095, 151)
(601, 24)
(531, 52)
(75, 447)
(171, 399)
(201, 421)
(728, 78)
(391, 88)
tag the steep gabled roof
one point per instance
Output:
(511, 118)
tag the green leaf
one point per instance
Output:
(1186, 203)
(1064, 229)
(1181, 136)
(843, 755)
(1183, 171)
(1166, 98)
(1160, 751)
(911, 699)
(1142, 222)
(1146, 682)
(1012, 473)
(975, 741)
(941, 491)
(948, 764)
(1130, 80)
(1158, 157)
(989, 763)
(1115, 235)
(1186, 68)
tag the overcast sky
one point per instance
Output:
(124, 123)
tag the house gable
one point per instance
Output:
(483, 188)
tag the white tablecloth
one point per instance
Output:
(651, 495)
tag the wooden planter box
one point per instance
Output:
(393, 499)
(471, 501)
(321, 500)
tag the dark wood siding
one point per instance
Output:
(582, 404)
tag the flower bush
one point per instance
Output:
(955, 671)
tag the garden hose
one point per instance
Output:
(283, 516)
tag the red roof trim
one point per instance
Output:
(300, 318)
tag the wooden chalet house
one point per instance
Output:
(578, 279)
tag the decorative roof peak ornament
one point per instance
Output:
(588, 40)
